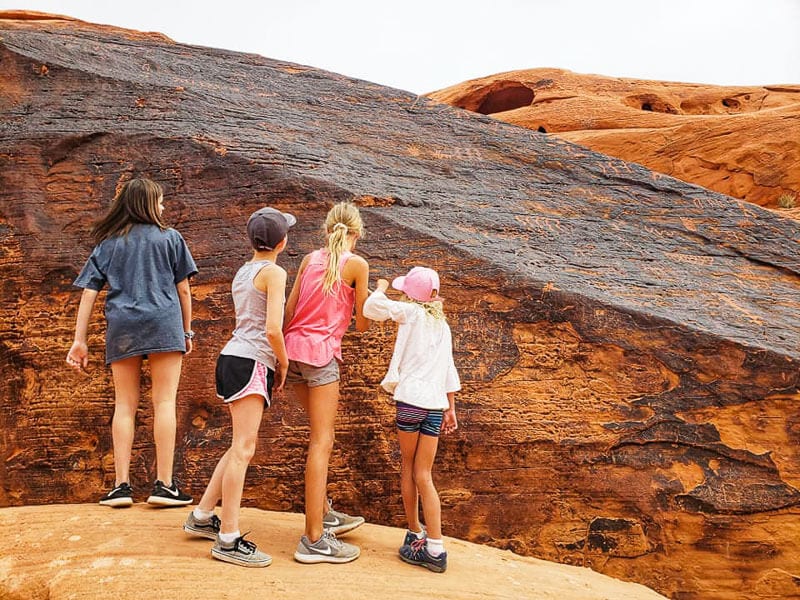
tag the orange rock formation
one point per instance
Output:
(628, 343)
(740, 141)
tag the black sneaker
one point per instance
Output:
(120, 497)
(412, 537)
(168, 496)
(240, 552)
(417, 554)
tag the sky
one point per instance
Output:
(425, 45)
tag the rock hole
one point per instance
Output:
(731, 103)
(541, 129)
(506, 98)
(647, 106)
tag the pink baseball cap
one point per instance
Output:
(419, 284)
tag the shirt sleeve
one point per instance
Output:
(452, 382)
(184, 263)
(379, 308)
(92, 276)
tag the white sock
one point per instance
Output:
(229, 538)
(202, 515)
(420, 534)
(435, 547)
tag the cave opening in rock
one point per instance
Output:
(506, 98)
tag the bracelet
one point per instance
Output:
(188, 334)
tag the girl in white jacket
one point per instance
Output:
(423, 380)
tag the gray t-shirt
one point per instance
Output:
(142, 308)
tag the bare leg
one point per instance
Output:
(423, 466)
(165, 372)
(213, 493)
(323, 401)
(127, 376)
(408, 488)
(246, 416)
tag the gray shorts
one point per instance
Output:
(312, 376)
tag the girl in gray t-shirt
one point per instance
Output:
(146, 267)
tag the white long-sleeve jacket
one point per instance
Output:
(421, 371)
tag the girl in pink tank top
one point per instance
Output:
(331, 283)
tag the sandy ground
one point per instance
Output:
(61, 552)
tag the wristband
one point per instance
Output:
(188, 334)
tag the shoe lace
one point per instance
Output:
(330, 538)
(244, 545)
(418, 545)
(215, 522)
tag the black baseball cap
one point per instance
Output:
(267, 227)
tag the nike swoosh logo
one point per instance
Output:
(335, 522)
(175, 494)
(327, 550)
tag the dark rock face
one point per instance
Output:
(628, 343)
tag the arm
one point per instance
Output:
(450, 422)
(380, 308)
(291, 302)
(78, 355)
(272, 280)
(185, 298)
(361, 280)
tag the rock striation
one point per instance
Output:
(739, 141)
(628, 343)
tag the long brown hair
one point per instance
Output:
(136, 202)
(342, 219)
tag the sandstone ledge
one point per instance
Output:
(80, 551)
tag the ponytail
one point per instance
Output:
(342, 220)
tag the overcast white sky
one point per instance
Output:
(425, 45)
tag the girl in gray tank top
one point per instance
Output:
(251, 365)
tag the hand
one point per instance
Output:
(280, 378)
(382, 285)
(78, 356)
(189, 345)
(450, 422)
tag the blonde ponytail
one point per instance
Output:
(342, 220)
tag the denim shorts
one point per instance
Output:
(300, 372)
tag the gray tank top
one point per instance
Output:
(249, 338)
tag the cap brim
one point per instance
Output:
(398, 282)
(290, 218)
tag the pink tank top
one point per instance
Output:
(314, 335)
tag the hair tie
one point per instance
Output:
(340, 226)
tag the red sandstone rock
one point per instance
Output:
(628, 343)
(740, 141)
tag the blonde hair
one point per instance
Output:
(342, 220)
(136, 202)
(434, 308)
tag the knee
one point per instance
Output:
(321, 444)
(422, 478)
(243, 450)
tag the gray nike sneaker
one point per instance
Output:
(326, 549)
(240, 552)
(340, 523)
(207, 528)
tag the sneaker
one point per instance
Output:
(416, 553)
(412, 537)
(339, 523)
(168, 496)
(207, 528)
(240, 552)
(119, 497)
(325, 549)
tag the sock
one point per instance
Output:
(202, 515)
(229, 538)
(435, 547)
(420, 534)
